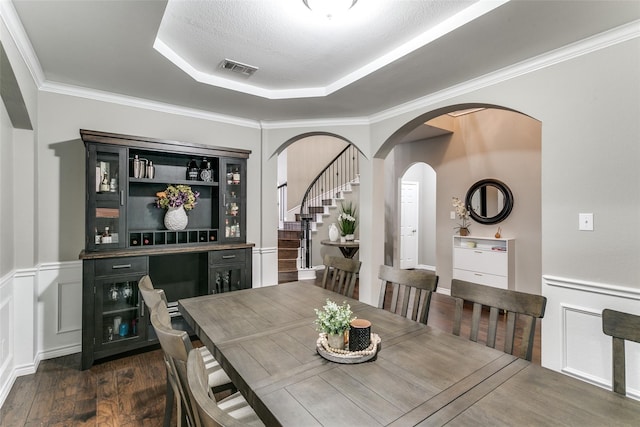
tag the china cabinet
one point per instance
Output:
(126, 237)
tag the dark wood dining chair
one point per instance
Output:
(621, 326)
(520, 307)
(340, 274)
(410, 292)
(232, 411)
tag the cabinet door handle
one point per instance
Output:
(478, 252)
(228, 256)
(121, 197)
(120, 266)
(478, 274)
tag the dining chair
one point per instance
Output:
(218, 380)
(621, 326)
(340, 274)
(519, 307)
(410, 292)
(231, 411)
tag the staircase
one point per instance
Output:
(320, 203)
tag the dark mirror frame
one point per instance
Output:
(506, 209)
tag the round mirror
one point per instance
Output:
(489, 201)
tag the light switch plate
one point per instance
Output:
(453, 215)
(585, 222)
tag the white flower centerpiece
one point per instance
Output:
(463, 214)
(334, 320)
(347, 220)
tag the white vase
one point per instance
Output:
(336, 341)
(176, 218)
(334, 234)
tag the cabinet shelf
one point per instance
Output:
(119, 311)
(159, 180)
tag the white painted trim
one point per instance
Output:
(583, 47)
(130, 101)
(592, 287)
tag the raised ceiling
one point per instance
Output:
(378, 56)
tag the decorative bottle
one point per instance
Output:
(104, 184)
(192, 170)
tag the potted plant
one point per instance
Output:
(347, 220)
(334, 320)
(177, 199)
(463, 214)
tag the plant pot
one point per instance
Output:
(464, 231)
(336, 341)
(349, 237)
(176, 218)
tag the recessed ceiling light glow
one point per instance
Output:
(329, 8)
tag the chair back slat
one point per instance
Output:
(340, 274)
(176, 346)
(209, 413)
(150, 295)
(620, 326)
(410, 293)
(521, 308)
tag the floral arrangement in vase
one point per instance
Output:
(334, 320)
(177, 195)
(347, 220)
(463, 214)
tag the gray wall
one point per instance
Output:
(6, 193)
(490, 143)
(61, 161)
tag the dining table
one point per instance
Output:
(266, 340)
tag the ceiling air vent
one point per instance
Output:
(238, 67)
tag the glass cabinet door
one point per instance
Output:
(119, 314)
(106, 172)
(233, 209)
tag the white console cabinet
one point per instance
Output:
(484, 260)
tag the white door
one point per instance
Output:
(409, 213)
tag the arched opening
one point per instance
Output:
(417, 217)
(464, 144)
(316, 173)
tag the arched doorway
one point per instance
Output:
(477, 142)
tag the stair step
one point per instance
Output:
(287, 265)
(316, 209)
(327, 202)
(288, 243)
(287, 253)
(291, 225)
(287, 276)
(289, 234)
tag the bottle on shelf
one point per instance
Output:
(104, 184)
(227, 228)
(236, 176)
(192, 170)
(106, 236)
(205, 171)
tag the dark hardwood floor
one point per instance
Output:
(128, 391)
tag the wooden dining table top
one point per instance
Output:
(265, 339)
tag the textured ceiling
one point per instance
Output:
(107, 46)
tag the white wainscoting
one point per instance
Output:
(572, 337)
(41, 313)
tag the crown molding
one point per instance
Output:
(583, 47)
(130, 101)
(14, 26)
(566, 53)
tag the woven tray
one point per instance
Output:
(345, 356)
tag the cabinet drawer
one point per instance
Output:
(125, 265)
(501, 282)
(224, 257)
(482, 261)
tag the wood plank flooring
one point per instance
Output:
(128, 391)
